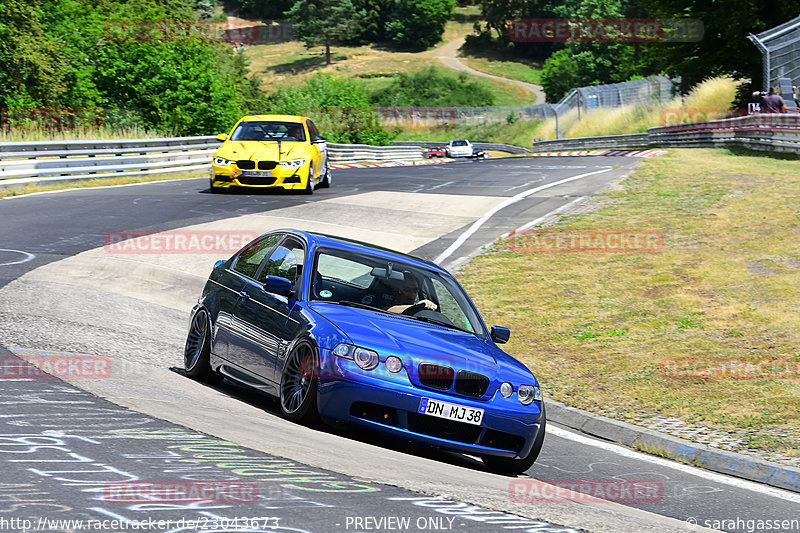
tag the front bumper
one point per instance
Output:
(280, 177)
(388, 403)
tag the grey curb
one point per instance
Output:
(724, 462)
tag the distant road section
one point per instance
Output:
(448, 54)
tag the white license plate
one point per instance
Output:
(450, 411)
(257, 173)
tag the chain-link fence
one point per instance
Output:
(645, 92)
(780, 48)
(428, 116)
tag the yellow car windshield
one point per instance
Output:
(269, 131)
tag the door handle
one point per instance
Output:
(245, 295)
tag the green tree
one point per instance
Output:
(372, 26)
(432, 87)
(31, 66)
(263, 9)
(724, 48)
(578, 64)
(142, 74)
(325, 22)
(418, 24)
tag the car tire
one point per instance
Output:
(197, 351)
(310, 185)
(326, 180)
(215, 190)
(505, 465)
(299, 383)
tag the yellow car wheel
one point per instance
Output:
(310, 183)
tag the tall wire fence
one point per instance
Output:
(780, 49)
(656, 90)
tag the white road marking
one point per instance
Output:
(25, 259)
(514, 199)
(666, 463)
(521, 186)
(551, 213)
(96, 188)
(441, 185)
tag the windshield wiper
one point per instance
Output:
(441, 323)
(361, 306)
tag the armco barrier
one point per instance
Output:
(42, 162)
(769, 132)
(499, 147)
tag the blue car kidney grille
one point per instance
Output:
(436, 376)
(471, 384)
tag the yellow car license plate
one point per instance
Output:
(257, 173)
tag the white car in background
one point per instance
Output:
(459, 148)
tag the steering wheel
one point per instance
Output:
(413, 309)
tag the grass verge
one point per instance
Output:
(635, 334)
(513, 69)
(99, 182)
(290, 63)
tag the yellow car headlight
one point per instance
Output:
(294, 163)
(222, 161)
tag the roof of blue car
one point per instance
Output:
(322, 239)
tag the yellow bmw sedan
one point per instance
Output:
(271, 151)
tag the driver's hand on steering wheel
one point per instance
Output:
(428, 304)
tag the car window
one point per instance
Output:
(343, 269)
(313, 132)
(285, 262)
(459, 143)
(263, 130)
(251, 256)
(360, 278)
(449, 307)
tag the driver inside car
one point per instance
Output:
(405, 295)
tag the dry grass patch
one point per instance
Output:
(290, 63)
(601, 330)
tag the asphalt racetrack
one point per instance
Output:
(64, 445)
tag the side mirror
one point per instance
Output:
(500, 335)
(218, 263)
(277, 285)
(222, 137)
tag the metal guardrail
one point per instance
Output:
(349, 153)
(498, 147)
(42, 162)
(630, 141)
(769, 132)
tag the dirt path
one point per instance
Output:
(448, 54)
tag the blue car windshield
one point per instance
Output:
(364, 280)
(262, 130)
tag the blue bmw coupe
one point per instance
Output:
(360, 334)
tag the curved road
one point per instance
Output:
(71, 296)
(448, 54)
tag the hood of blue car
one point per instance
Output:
(391, 334)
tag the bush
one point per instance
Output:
(432, 87)
(338, 106)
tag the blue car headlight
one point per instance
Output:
(294, 163)
(528, 393)
(222, 161)
(365, 359)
